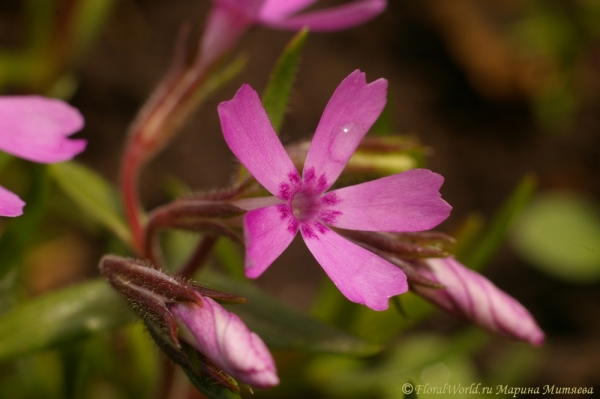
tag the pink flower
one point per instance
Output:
(224, 338)
(408, 201)
(36, 128)
(229, 19)
(473, 297)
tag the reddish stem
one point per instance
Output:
(198, 257)
(130, 171)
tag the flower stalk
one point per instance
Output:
(211, 217)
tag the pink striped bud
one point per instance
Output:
(180, 314)
(226, 341)
(473, 297)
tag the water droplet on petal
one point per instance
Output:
(341, 140)
(348, 127)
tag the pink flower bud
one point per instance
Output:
(473, 297)
(226, 341)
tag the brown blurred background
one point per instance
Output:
(469, 78)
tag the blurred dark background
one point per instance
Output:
(496, 89)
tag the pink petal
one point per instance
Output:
(408, 201)
(10, 203)
(350, 113)
(472, 296)
(226, 23)
(360, 275)
(250, 136)
(276, 10)
(36, 128)
(267, 233)
(331, 19)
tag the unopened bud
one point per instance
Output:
(473, 297)
(375, 157)
(225, 339)
(179, 313)
(404, 245)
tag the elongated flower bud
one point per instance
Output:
(473, 297)
(225, 339)
(178, 312)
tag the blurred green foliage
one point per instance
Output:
(559, 233)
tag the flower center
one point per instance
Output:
(305, 206)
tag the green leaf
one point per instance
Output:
(208, 386)
(39, 376)
(127, 361)
(145, 364)
(61, 317)
(89, 17)
(277, 94)
(231, 257)
(217, 80)
(380, 327)
(468, 232)
(94, 194)
(283, 328)
(384, 125)
(420, 358)
(560, 234)
(5, 159)
(493, 236)
(409, 390)
(20, 232)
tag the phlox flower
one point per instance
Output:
(229, 19)
(403, 202)
(471, 296)
(36, 128)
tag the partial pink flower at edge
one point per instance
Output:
(286, 14)
(226, 341)
(471, 296)
(37, 129)
(229, 19)
(404, 202)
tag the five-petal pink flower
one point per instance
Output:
(403, 202)
(471, 296)
(224, 338)
(229, 19)
(36, 128)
